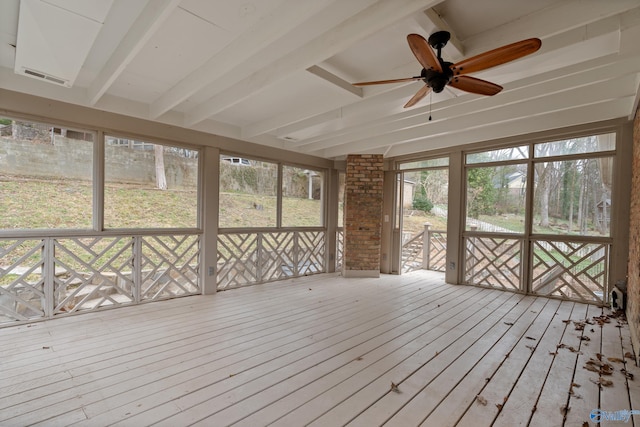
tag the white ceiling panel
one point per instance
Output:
(231, 15)
(239, 68)
(181, 45)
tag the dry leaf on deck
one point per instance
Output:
(394, 387)
(615, 359)
(481, 400)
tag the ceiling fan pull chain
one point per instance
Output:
(430, 97)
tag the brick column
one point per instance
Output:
(363, 215)
(633, 268)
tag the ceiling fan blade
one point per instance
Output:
(496, 57)
(382, 82)
(424, 90)
(423, 52)
(473, 85)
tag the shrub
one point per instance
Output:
(421, 203)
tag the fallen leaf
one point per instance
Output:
(508, 323)
(627, 374)
(553, 353)
(499, 406)
(585, 338)
(578, 325)
(585, 424)
(481, 400)
(615, 360)
(530, 347)
(592, 368)
(603, 382)
(575, 385)
(530, 338)
(567, 321)
(46, 348)
(394, 387)
(629, 355)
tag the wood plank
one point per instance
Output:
(616, 396)
(587, 396)
(210, 399)
(283, 354)
(555, 392)
(500, 385)
(426, 387)
(522, 399)
(463, 394)
(341, 403)
(633, 382)
(218, 369)
(58, 402)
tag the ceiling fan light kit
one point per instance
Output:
(438, 73)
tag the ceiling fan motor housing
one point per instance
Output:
(436, 80)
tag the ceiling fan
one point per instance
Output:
(438, 73)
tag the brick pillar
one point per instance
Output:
(363, 215)
(633, 269)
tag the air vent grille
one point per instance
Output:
(44, 76)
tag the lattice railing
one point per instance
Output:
(22, 292)
(437, 259)
(413, 251)
(248, 258)
(42, 278)
(339, 249)
(574, 270)
(493, 261)
(169, 266)
(92, 272)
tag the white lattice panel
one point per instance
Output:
(311, 253)
(169, 266)
(92, 272)
(237, 255)
(574, 270)
(412, 253)
(339, 249)
(437, 251)
(249, 258)
(276, 255)
(22, 291)
(493, 261)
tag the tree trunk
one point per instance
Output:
(161, 178)
(543, 188)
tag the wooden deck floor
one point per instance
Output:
(326, 351)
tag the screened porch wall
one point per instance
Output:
(583, 268)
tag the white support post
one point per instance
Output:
(426, 246)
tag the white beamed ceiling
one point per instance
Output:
(279, 72)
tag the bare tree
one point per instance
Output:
(161, 178)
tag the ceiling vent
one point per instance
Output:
(55, 36)
(45, 76)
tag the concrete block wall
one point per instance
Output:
(363, 215)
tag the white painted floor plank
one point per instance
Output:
(322, 350)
